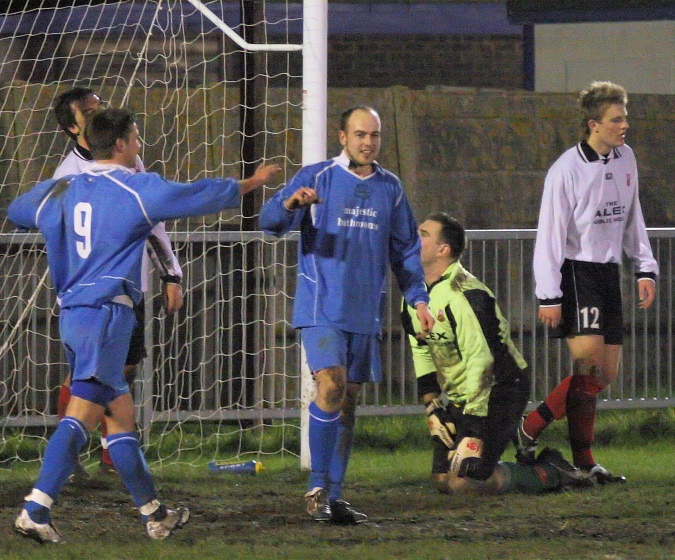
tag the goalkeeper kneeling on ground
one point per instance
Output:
(472, 379)
(459, 466)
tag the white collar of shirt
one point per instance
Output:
(343, 161)
(96, 167)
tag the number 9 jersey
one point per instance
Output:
(96, 224)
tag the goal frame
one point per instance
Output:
(313, 134)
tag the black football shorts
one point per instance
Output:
(591, 301)
(137, 350)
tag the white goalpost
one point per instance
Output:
(217, 87)
(314, 101)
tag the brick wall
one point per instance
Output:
(417, 61)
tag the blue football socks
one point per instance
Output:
(130, 463)
(60, 460)
(323, 431)
(341, 454)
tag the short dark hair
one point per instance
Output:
(64, 112)
(344, 118)
(594, 100)
(452, 232)
(104, 128)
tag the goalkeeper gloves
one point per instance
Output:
(441, 427)
(475, 468)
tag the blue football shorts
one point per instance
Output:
(359, 353)
(96, 340)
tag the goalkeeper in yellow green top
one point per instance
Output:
(471, 378)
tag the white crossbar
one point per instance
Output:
(220, 24)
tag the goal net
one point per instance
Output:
(221, 380)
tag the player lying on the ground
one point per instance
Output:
(471, 377)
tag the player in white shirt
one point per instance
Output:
(590, 215)
(72, 108)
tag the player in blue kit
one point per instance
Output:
(72, 108)
(355, 222)
(95, 226)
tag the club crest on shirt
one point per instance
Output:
(609, 176)
(439, 316)
(361, 191)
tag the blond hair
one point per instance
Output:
(594, 100)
